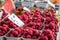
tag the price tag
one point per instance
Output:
(27, 0)
(16, 1)
(57, 7)
(1, 12)
(18, 4)
(41, 5)
(16, 20)
(28, 4)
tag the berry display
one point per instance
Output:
(38, 24)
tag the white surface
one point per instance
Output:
(1, 12)
(50, 3)
(58, 36)
(16, 20)
(57, 12)
(26, 9)
(36, 1)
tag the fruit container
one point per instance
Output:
(28, 39)
(1, 38)
(58, 37)
(12, 38)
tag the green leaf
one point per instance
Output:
(59, 12)
(58, 16)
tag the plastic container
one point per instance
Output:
(1, 38)
(28, 39)
(58, 37)
(12, 38)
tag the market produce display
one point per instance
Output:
(38, 24)
(7, 21)
(26, 33)
(17, 32)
